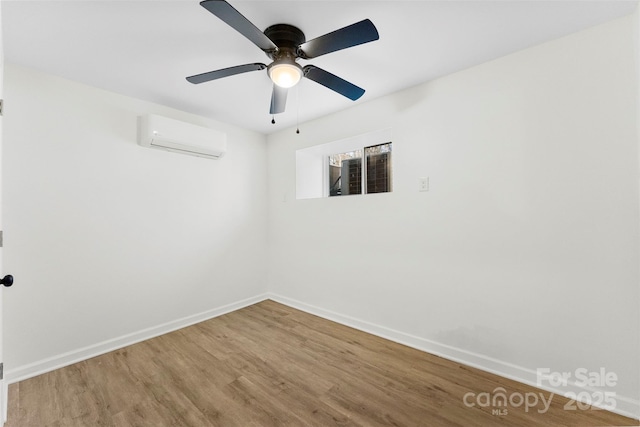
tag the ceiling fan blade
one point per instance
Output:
(333, 82)
(278, 99)
(233, 18)
(225, 72)
(352, 35)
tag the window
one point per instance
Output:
(347, 176)
(378, 171)
(345, 173)
(359, 164)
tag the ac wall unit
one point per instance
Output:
(180, 137)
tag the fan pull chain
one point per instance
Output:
(297, 109)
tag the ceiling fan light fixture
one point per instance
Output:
(285, 74)
(284, 44)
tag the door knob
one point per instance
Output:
(7, 280)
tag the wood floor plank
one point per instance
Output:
(271, 365)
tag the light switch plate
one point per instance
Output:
(423, 183)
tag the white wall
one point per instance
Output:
(524, 253)
(106, 238)
(310, 173)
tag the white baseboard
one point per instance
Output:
(46, 365)
(624, 405)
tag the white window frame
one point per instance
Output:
(312, 163)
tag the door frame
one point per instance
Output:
(3, 384)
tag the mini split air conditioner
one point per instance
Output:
(180, 137)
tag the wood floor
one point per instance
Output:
(270, 365)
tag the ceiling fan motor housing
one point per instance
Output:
(286, 37)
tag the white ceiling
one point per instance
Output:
(145, 48)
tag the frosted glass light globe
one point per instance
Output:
(285, 74)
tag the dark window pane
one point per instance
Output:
(345, 173)
(351, 176)
(378, 168)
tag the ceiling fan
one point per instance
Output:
(285, 44)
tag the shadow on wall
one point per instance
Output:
(411, 97)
